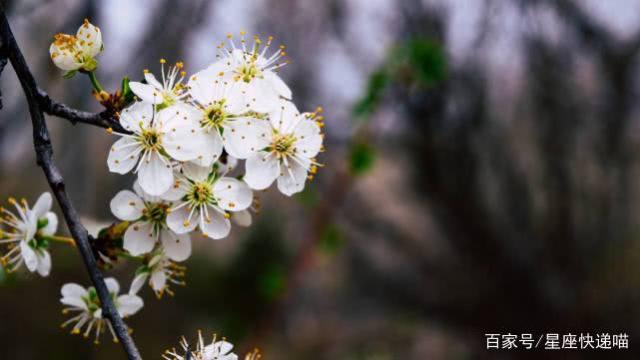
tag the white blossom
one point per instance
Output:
(253, 70)
(87, 309)
(287, 151)
(147, 215)
(216, 350)
(159, 272)
(74, 52)
(165, 93)
(206, 200)
(28, 233)
(157, 139)
(225, 114)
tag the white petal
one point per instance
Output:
(123, 156)
(261, 170)
(139, 238)
(309, 140)
(158, 280)
(127, 206)
(176, 247)
(211, 149)
(52, 224)
(73, 290)
(184, 139)
(202, 86)
(245, 136)
(277, 84)
(285, 116)
(90, 39)
(151, 80)
(129, 304)
(292, 178)
(155, 174)
(260, 95)
(29, 256)
(146, 92)
(216, 226)
(42, 205)
(176, 191)
(112, 285)
(195, 172)
(136, 115)
(44, 263)
(144, 195)
(232, 194)
(63, 59)
(242, 218)
(138, 283)
(224, 347)
(176, 220)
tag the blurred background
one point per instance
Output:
(481, 176)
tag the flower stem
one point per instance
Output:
(94, 81)
(61, 239)
(126, 255)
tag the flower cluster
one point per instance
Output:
(186, 135)
(199, 145)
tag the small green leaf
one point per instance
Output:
(332, 240)
(378, 82)
(127, 94)
(70, 74)
(362, 158)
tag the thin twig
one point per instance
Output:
(44, 153)
(52, 107)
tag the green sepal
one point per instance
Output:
(69, 74)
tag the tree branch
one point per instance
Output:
(102, 119)
(44, 153)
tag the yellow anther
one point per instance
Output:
(162, 61)
(179, 64)
(227, 215)
(109, 130)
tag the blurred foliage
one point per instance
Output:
(243, 289)
(309, 197)
(362, 157)
(332, 240)
(421, 62)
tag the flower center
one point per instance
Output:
(283, 145)
(156, 214)
(150, 139)
(200, 194)
(248, 70)
(215, 115)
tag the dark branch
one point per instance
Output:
(103, 119)
(44, 153)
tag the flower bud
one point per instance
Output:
(77, 52)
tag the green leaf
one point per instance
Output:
(70, 74)
(332, 240)
(378, 82)
(362, 157)
(422, 61)
(127, 94)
